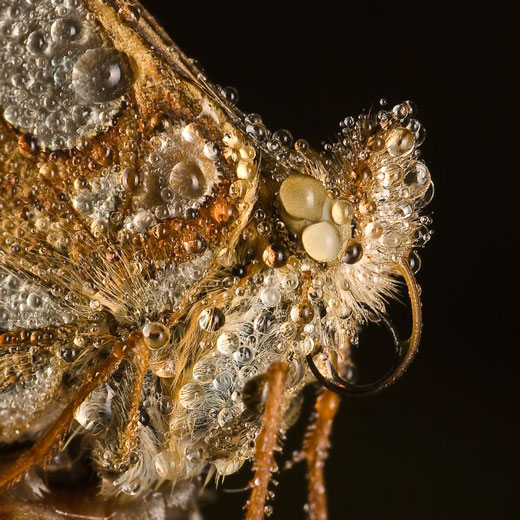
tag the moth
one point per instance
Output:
(173, 273)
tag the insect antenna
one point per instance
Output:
(404, 350)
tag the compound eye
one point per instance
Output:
(303, 197)
(322, 222)
(155, 335)
(322, 241)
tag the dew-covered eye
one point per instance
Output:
(322, 222)
(101, 75)
(321, 241)
(155, 335)
(303, 197)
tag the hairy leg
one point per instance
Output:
(139, 358)
(267, 440)
(45, 444)
(315, 450)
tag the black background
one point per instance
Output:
(442, 443)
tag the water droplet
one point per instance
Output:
(263, 322)
(230, 94)
(36, 43)
(34, 301)
(101, 75)
(64, 30)
(222, 382)
(225, 416)
(353, 253)
(284, 137)
(211, 319)
(165, 465)
(227, 343)
(187, 179)
(192, 396)
(155, 335)
(415, 262)
(204, 370)
(290, 282)
(417, 179)
(400, 141)
(243, 356)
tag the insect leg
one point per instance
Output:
(315, 450)
(44, 445)
(121, 436)
(267, 440)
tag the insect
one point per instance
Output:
(172, 273)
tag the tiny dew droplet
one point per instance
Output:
(211, 319)
(191, 396)
(227, 343)
(353, 253)
(155, 335)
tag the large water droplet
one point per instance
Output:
(187, 179)
(36, 43)
(165, 465)
(101, 75)
(227, 343)
(417, 179)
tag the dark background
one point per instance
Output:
(442, 443)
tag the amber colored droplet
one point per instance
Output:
(367, 207)
(27, 146)
(160, 231)
(48, 170)
(302, 313)
(221, 211)
(130, 13)
(155, 334)
(275, 255)
(188, 179)
(195, 245)
(364, 174)
(129, 179)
